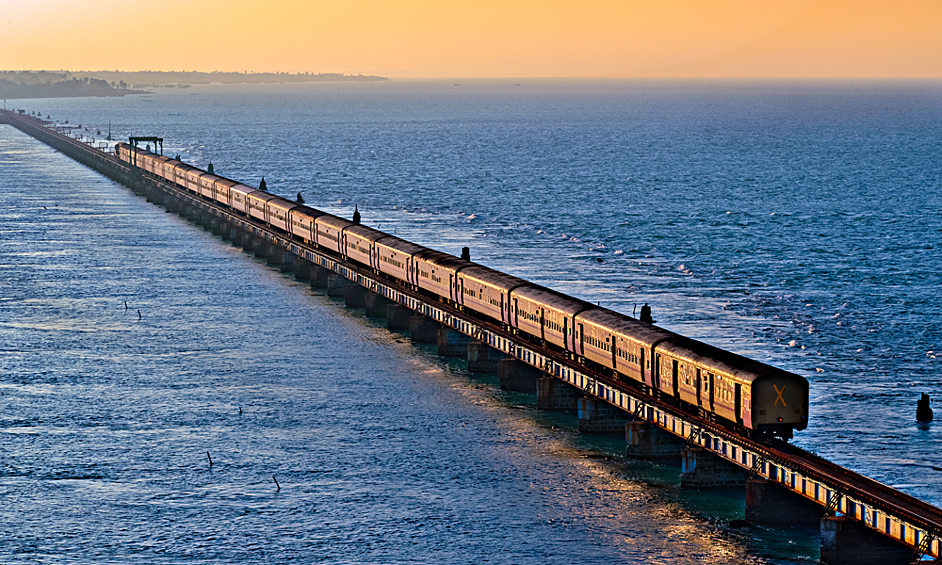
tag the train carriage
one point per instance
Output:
(329, 230)
(223, 193)
(438, 273)
(301, 222)
(487, 291)
(207, 186)
(546, 314)
(277, 210)
(188, 177)
(394, 257)
(258, 204)
(631, 354)
(358, 244)
(238, 195)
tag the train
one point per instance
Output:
(748, 397)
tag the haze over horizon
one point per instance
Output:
(483, 39)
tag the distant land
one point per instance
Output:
(61, 84)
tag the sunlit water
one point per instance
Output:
(795, 223)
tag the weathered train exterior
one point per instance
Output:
(749, 396)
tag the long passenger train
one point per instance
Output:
(749, 397)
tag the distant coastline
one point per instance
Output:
(67, 84)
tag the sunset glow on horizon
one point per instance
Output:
(485, 38)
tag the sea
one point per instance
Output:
(168, 398)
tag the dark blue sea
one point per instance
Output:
(798, 223)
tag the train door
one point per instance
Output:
(739, 404)
(710, 384)
(656, 373)
(504, 309)
(515, 318)
(580, 339)
(614, 343)
(699, 389)
(644, 370)
(542, 324)
(675, 376)
(567, 341)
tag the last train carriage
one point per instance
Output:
(746, 396)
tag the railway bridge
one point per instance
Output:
(860, 520)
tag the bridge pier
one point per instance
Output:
(770, 504)
(376, 305)
(320, 277)
(280, 258)
(518, 376)
(482, 358)
(452, 343)
(702, 469)
(423, 329)
(554, 395)
(599, 417)
(845, 542)
(302, 269)
(337, 285)
(647, 441)
(397, 317)
(355, 295)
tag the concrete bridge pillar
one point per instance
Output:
(845, 542)
(320, 277)
(397, 317)
(555, 395)
(518, 376)
(376, 305)
(337, 285)
(452, 343)
(264, 249)
(599, 417)
(482, 358)
(217, 225)
(302, 269)
(280, 258)
(770, 504)
(647, 441)
(355, 296)
(423, 329)
(701, 469)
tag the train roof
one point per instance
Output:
(312, 213)
(335, 222)
(282, 203)
(262, 195)
(365, 232)
(443, 260)
(401, 245)
(492, 278)
(552, 299)
(242, 189)
(625, 326)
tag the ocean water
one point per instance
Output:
(796, 223)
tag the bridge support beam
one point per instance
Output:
(554, 395)
(452, 343)
(845, 542)
(701, 469)
(482, 358)
(355, 295)
(397, 317)
(376, 305)
(599, 417)
(518, 376)
(337, 285)
(423, 329)
(771, 504)
(647, 441)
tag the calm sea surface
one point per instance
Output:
(796, 223)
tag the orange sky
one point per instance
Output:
(481, 38)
